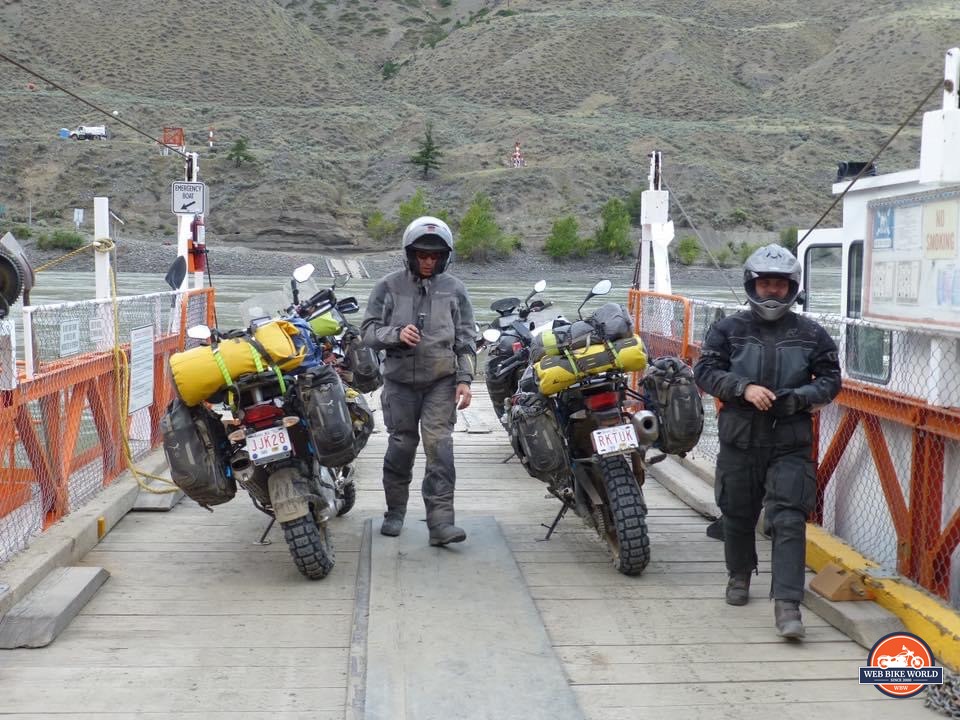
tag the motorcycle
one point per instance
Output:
(322, 316)
(509, 334)
(576, 425)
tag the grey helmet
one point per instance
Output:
(428, 233)
(771, 261)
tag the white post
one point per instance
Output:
(183, 237)
(28, 356)
(198, 241)
(657, 230)
(8, 354)
(101, 231)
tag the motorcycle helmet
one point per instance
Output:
(431, 234)
(771, 261)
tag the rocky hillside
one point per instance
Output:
(752, 103)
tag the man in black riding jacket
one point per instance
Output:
(770, 368)
(422, 317)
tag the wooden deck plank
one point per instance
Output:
(197, 622)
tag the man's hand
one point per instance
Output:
(760, 397)
(464, 396)
(410, 335)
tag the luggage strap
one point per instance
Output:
(258, 353)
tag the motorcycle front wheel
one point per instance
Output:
(310, 546)
(628, 539)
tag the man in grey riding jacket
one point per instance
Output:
(422, 317)
(770, 368)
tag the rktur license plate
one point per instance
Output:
(268, 445)
(617, 439)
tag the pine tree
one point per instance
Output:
(429, 155)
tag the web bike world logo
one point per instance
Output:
(901, 665)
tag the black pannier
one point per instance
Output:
(536, 439)
(364, 365)
(671, 393)
(324, 404)
(196, 447)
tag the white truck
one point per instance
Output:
(89, 132)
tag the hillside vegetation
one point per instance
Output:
(752, 103)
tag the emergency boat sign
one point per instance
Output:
(186, 198)
(912, 260)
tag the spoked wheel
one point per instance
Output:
(310, 546)
(625, 522)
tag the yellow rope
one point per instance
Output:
(121, 370)
(62, 258)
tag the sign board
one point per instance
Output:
(187, 198)
(141, 369)
(78, 216)
(912, 260)
(69, 338)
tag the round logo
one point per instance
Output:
(900, 665)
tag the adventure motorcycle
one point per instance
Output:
(508, 336)
(576, 425)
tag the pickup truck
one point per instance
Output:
(89, 132)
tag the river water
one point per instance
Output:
(565, 291)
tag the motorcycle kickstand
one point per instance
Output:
(508, 458)
(263, 538)
(553, 526)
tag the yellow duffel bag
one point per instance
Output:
(558, 372)
(197, 375)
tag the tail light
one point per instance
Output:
(517, 346)
(261, 416)
(602, 400)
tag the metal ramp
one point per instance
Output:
(346, 266)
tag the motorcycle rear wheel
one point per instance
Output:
(310, 546)
(628, 538)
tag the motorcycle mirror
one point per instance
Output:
(540, 286)
(601, 288)
(491, 335)
(303, 273)
(199, 332)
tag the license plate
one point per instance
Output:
(617, 439)
(268, 445)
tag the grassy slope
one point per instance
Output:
(752, 102)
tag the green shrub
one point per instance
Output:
(563, 239)
(480, 238)
(788, 238)
(389, 69)
(739, 216)
(745, 250)
(416, 207)
(20, 232)
(688, 250)
(724, 256)
(380, 228)
(613, 236)
(632, 204)
(61, 240)
(445, 3)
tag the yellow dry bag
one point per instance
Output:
(197, 375)
(558, 372)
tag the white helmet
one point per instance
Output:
(771, 261)
(428, 233)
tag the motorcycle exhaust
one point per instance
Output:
(646, 426)
(242, 467)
